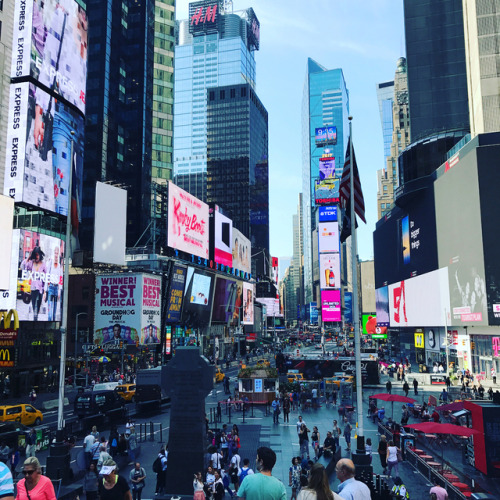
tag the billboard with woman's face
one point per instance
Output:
(248, 299)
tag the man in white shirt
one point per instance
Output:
(350, 488)
(216, 460)
(299, 423)
(88, 442)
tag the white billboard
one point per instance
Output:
(328, 235)
(223, 240)
(329, 270)
(50, 45)
(272, 306)
(242, 254)
(248, 310)
(6, 222)
(187, 222)
(110, 224)
(127, 309)
(420, 301)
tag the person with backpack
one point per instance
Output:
(234, 470)
(113, 442)
(160, 469)
(399, 491)
(245, 470)
(137, 479)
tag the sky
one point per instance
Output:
(363, 37)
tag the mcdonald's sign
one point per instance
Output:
(9, 317)
(6, 358)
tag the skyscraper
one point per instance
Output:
(385, 98)
(297, 273)
(214, 47)
(325, 102)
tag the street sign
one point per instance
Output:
(88, 347)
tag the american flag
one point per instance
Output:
(345, 185)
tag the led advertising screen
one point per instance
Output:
(36, 279)
(39, 150)
(197, 303)
(187, 222)
(382, 305)
(225, 294)
(329, 270)
(127, 309)
(241, 252)
(328, 235)
(248, 297)
(176, 293)
(6, 223)
(325, 135)
(50, 45)
(223, 239)
(204, 17)
(313, 313)
(328, 214)
(326, 168)
(330, 305)
(348, 307)
(327, 191)
(272, 306)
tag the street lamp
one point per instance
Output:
(76, 344)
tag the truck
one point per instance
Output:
(151, 387)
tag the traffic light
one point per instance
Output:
(472, 345)
(121, 344)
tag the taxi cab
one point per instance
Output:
(219, 375)
(295, 377)
(336, 379)
(263, 362)
(126, 392)
(23, 413)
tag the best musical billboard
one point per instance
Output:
(187, 222)
(330, 305)
(248, 310)
(50, 45)
(241, 252)
(175, 293)
(328, 236)
(127, 309)
(36, 279)
(38, 159)
(329, 270)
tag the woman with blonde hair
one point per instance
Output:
(318, 487)
(34, 486)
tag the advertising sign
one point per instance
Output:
(329, 270)
(224, 301)
(313, 313)
(328, 214)
(223, 239)
(175, 294)
(326, 168)
(248, 296)
(348, 307)
(36, 279)
(187, 222)
(6, 223)
(420, 301)
(369, 324)
(325, 135)
(327, 191)
(203, 17)
(330, 305)
(419, 340)
(434, 340)
(38, 159)
(197, 298)
(127, 309)
(272, 306)
(241, 252)
(50, 45)
(382, 306)
(328, 235)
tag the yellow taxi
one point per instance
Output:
(336, 379)
(219, 375)
(23, 413)
(126, 392)
(263, 362)
(295, 377)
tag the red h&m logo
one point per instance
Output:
(209, 16)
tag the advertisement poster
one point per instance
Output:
(223, 241)
(328, 214)
(329, 270)
(330, 305)
(39, 150)
(382, 306)
(328, 235)
(326, 168)
(37, 274)
(313, 313)
(176, 291)
(348, 307)
(187, 222)
(128, 309)
(369, 324)
(50, 37)
(241, 252)
(327, 191)
(197, 304)
(225, 295)
(248, 296)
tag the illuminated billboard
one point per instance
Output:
(36, 278)
(6, 223)
(225, 294)
(127, 309)
(328, 214)
(327, 191)
(325, 135)
(248, 296)
(50, 45)
(187, 222)
(330, 305)
(326, 168)
(328, 235)
(241, 252)
(197, 304)
(175, 293)
(204, 17)
(223, 239)
(382, 305)
(272, 306)
(39, 150)
(329, 270)
(370, 325)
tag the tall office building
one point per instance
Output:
(237, 164)
(128, 130)
(385, 98)
(297, 271)
(482, 51)
(325, 102)
(214, 47)
(399, 119)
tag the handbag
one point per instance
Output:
(399, 455)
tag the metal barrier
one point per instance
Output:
(146, 431)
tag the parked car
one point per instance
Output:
(263, 362)
(23, 413)
(97, 403)
(126, 392)
(295, 377)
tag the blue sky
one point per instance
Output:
(363, 37)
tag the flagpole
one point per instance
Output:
(355, 303)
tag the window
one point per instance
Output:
(243, 92)
(233, 93)
(222, 94)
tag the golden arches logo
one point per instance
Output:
(4, 355)
(9, 317)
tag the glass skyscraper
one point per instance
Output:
(210, 51)
(325, 102)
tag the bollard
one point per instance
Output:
(144, 432)
(243, 413)
(252, 409)
(229, 410)
(151, 431)
(211, 415)
(161, 432)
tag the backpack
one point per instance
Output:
(157, 468)
(114, 443)
(244, 474)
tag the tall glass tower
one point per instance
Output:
(325, 102)
(213, 48)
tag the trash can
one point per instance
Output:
(406, 440)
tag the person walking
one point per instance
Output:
(388, 386)
(315, 439)
(382, 452)
(160, 468)
(294, 474)
(31, 441)
(347, 433)
(286, 409)
(336, 434)
(399, 491)
(494, 375)
(392, 458)
(304, 441)
(318, 486)
(137, 478)
(299, 423)
(350, 488)
(88, 442)
(6, 483)
(443, 396)
(406, 388)
(91, 483)
(198, 485)
(415, 386)
(34, 486)
(113, 486)
(439, 491)
(276, 410)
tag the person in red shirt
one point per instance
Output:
(435, 416)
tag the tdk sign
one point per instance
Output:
(327, 214)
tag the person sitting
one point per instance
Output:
(435, 416)
(381, 414)
(426, 415)
(329, 447)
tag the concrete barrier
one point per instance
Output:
(53, 403)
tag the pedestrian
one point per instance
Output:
(34, 486)
(329, 447)
(490, 393)
(315, 439)
(304, 441)
(347, 433)
(295, 400)
(31, 441)
(392, 458)
(406, 388)
(245, 470)
(382, 452)
(314, 397)
(368, 448)
(160, 468)
(132, 447)
(415, 386)
(294, 474)
(103, 457)
(91, 483)
(318, 486)
(209, 482)
(95, 433)
(405, 415)
(334, 396)
(388, 386)
(494, 375)
(219, 412)
(438, 490)
(138, 480)
(299, 423)
(218, 487)
(198, 485)
(350, 488)
(6, 483)
(4, 452)
(276, 410)
(113, 486)
(448, 382)
(286, 409)
(399, 491)
(14, 460)
(336, 434)
(216, 460)
(95, 452)
(235, 470)
(253, 485)
(113, 442)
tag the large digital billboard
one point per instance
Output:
(326, 168)
(39, 142)
(328, 214)
(6, 223)
(223, 239)
(329, 270)
(327, 191)
(37, 277)
(242, 254)
(330, 305)
(175, 293)
(272, 306)
(225, 295)
(187, 222)
(325, 135)
(328, 235)
(204, 17)
(50, 45)
(127, 309)
(197, 304)
(248, 298)
(382, 306)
